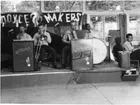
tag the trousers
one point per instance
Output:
(135, 55)
(47, 49)
(66, 55)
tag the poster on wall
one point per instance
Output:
(33, 19)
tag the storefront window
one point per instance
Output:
(28, 6)
(114, 5)
(134, 27)
(97, 26)
(63, 5)
(95, 5)
(7, 6)
(53, 5)
(108, 5)
(19, 6)
(132, 5)
(110, 24)
(74, 5)
(101, 25)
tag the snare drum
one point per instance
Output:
(99, 51)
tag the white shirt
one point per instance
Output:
(128, 47)
(69, 35)
(46, 40)
(24, 36)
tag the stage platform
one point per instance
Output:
(104, 72)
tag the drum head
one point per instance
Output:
(99, 51)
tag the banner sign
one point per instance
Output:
(33, 19)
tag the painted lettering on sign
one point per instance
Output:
(81, 53)
(33, 19)
(19, 51)
(14, 19)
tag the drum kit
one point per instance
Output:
(39, 44)
(99, 51)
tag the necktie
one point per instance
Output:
(131, 44)
(72, 35)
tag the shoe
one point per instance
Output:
(39, 65)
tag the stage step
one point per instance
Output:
(57, 76)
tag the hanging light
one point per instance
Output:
(57, 8)
(96, 18)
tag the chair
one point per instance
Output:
(47, 59)
(123, 59)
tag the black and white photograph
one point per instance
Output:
(70, 52)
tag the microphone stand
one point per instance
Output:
(109, 48)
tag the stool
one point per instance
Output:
(124, 59)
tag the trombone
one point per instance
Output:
(38, 48)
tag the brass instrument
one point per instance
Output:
(38, 48)
(39, 44)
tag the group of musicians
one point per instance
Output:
(43, 38)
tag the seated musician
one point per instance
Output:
(118, 47)
(134, 52)
(43, 38)
(89, 32)
(57, 29)
(68, 36)
(23, 35)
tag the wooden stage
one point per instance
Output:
(104, 72)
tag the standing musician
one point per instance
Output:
(43, 38)
(57, 29)
(89, 32)
(23, 35)
(134, 52)
(68, 36)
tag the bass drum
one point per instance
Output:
(99, 51)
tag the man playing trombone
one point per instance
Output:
(42, 40)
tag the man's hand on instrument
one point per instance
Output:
(136, 48)
(42, 37)
(45, 38)
(67, 42)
